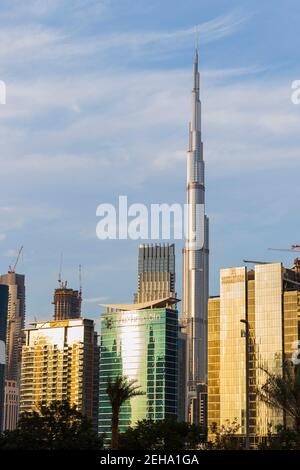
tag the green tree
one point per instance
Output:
(282, 392)
(162, 435)
(119, 391)
(282, 439)
(225, 437)
(54, 427)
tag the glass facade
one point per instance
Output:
(267, 300)
(15, 324)
(232, 346)
(214, 361)
(268, 337)
(3, 324)
(141, 345)
(291, 302)
(58, 363)
(182, 377)
(156, 272)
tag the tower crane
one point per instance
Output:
(12, 269)
(62, 284)
(292, 248)
(80, 281)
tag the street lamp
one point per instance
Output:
(246, 323)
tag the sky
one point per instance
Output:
(98, 104)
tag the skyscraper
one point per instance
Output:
(195, 258)
(140, 341)
(11, 405)
(3, 325)
(14, 340)
(67, 303)
(58, 363)
(15, 323)
(258, 312)
(182, 371)
(156, 272)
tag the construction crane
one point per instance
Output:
(12, 269)
(293, 249)
(80, 281)
(247, 261)
(61, 283)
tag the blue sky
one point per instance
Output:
(98, 102)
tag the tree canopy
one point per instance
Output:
(54, 427)
(162, 435)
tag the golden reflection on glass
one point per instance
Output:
(233, 347)
(141, 345)
(57, 364)
(268, 337)
(272, 310)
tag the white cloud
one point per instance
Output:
(208, 31)
(39, 9)
(14, 218)
(45, 43)
(140, 122)
(31, 43)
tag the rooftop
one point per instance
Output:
(160, 303)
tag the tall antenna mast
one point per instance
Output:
(80, 281)
(60, 282)
(197, 36)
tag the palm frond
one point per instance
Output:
(121, 389)
(282, 392)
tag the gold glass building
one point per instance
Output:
(58, 363)
(252, 327)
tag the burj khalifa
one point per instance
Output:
(195, 259)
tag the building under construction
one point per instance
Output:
(67, 303)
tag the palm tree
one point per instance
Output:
(282, 392)
(120, 390)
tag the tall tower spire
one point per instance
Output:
(195, 257)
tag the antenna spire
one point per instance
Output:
(60, 281)
(80, 281)
(196, 39)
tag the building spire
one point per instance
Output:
(195, 123)
(196, 56)
(195, 256)
(196, 42)
(196, 73)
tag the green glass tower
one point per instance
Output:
(140, 341)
